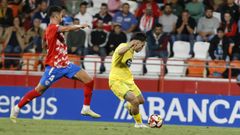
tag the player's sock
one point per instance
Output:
(88, 88)
(28, 97)
(86, 107)
(138, 118)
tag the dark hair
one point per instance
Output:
(104, 4)
(64, 8)
(224, 23)
(185, 11)
(76, 19)
(158, 25)
(139, 36)
(125, 4)
(54, 9)
(84, 3)
(209, 8)
(43, 1)
(220, 29)
(168, 4)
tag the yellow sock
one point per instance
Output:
(138, 118)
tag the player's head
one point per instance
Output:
(55, 13)
(139, 40)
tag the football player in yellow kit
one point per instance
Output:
(121, 79)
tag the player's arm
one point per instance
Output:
(124, 49)
(72, 27)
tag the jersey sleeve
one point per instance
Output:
(125, 59)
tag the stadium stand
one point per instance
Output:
(180, 64)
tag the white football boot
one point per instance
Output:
(140, 125)
(88, 112)
(14, 114)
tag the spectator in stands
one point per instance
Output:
(67, 19)
(42, 14)
(168, 21)
(104, 16)
(85, 18)
(219, 46)
(127, 20)
(157, 42)
(6, 14)
(176, 7)
(97, 41)
(34, 37)
(15, 40)
(185, 29)
(147, 20)
(232, 8)
(229, 25)
(115, 38)
(146, 5)
(196, 9)
(114, 6)
(83, 15)
(76, 40)
(207, 26)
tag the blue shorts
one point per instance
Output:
(52, 74)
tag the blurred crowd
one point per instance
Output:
(22, 25)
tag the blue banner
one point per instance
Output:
(181, 109)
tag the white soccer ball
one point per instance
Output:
(155, 121)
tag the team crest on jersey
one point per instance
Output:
(129, 62)
(47, 82)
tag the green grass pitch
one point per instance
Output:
(59, 127)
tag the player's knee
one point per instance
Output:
(40, 89)
(135, 102)
(141, 101)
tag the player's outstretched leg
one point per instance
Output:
(88, 88)
(29, 96)
(134, 108)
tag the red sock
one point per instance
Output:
(28, 97)
(88, 88)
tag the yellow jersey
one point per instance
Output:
(121, 64)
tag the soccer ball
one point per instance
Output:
(155, 121)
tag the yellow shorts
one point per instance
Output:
(120, 88)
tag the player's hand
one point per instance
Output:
(132, 44)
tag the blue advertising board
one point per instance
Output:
(180, 109)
